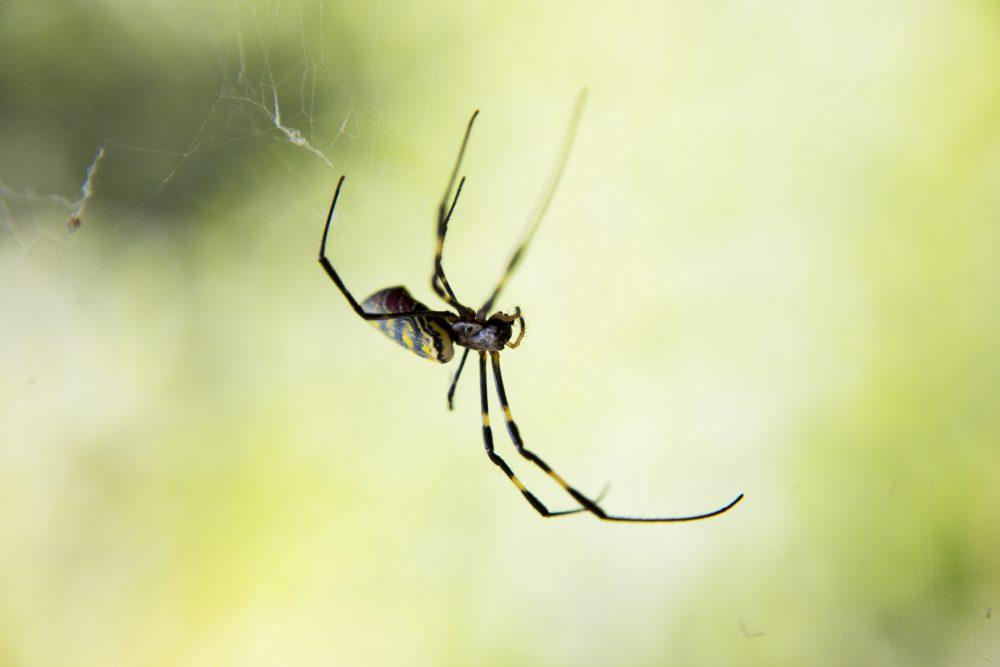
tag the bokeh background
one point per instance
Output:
(773, 266)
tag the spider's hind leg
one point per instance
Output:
(335, 277)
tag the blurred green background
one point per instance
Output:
(773, 266)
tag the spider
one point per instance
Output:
(433, 334)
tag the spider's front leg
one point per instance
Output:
(500, 463)
(588, 504)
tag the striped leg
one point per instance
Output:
(332, 273)
(587, 503)
(500, 463)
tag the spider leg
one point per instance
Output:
(454, 380)
(500, 463)
(332, 273)
(587, 503)
(542, 206)
(520, 333)
(439, 282)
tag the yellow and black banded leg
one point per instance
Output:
(332, 273)
(454, 380)
(588, 504)
(500, 463)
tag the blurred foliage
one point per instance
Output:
(771, 267)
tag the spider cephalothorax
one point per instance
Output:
(491, 335)
(432, 334)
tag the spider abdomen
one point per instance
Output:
(424, 336)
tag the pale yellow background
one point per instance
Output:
(773, 266)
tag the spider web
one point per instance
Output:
(95, 166)
(75, 208)
(273, 89)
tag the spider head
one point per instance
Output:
(492, 335)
